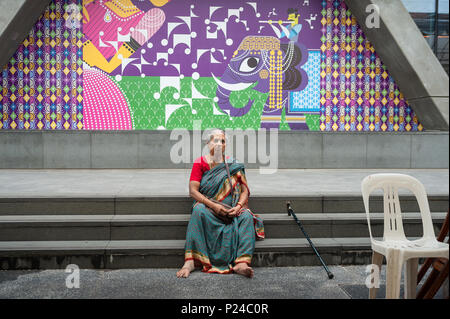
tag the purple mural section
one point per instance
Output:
(199, 38)
(358, 94)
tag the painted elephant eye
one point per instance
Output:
(249, 64)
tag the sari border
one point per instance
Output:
(246, 258)
(204, 261)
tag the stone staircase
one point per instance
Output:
(144, 232)
(116, 199)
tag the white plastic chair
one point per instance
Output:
(395, 246)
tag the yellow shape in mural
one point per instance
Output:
(116, 29)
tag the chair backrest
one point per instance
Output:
(390, 184)
(444, 229)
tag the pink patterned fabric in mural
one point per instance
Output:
(104, 107)
(102, 27)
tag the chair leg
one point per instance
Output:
(394, 267)
(423, 270)
(443, 274)
(445, 288)
(377, 259)
(427, 284)
(411, 278)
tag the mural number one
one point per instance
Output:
(163, 64)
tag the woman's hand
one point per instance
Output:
(235, 211)
(219, 209)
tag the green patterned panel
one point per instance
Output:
(150, 112)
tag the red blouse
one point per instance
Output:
(200, 166)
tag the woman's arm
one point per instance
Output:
(195, 194)
(244, 195)
(242, 200)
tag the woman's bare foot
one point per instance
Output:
(187, 268)
(244, 270)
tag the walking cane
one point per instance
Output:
(291, 212)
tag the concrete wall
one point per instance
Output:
(151, 149)
(17, 17)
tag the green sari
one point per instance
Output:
(211, 243)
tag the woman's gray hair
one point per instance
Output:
(215, 132)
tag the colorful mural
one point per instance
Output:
(163, 64)
(42, 85)
(357, 92)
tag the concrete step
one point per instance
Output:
(181, 204)
(173, 227)
(138, 218)
(118, 254)
(165, 191)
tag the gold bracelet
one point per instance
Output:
(238, 203)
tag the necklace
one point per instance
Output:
(211, 161)
(123, 7)
(128, 15)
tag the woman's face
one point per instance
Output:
(217, 145)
